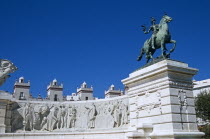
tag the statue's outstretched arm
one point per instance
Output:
(146, 32)
(144, 28)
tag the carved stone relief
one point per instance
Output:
(182, 98)
(150, 101)
(37, 116)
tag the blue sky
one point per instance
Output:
(95, 41)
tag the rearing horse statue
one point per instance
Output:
(162, 37)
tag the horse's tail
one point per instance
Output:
(141, 54)
(173, 46)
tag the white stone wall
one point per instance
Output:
(70, 116)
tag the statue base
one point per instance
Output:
(161, 101)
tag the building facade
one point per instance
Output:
(201, 86)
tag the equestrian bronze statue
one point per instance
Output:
(160, 37)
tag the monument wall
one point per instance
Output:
(46, 116)
(159, 104)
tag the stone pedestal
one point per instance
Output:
(161, 101)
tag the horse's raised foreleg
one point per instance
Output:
(172, 49)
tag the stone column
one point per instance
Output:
(8, 118)
(161, 101)
(5, 113)
(3, 106)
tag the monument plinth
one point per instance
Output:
(161, 101)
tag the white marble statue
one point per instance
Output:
(45, 110)
(117, 115)
(91, 115)
(6, 67)
(52, 118)
(28, 116)
(124, 117)
(63, 116)
(71, 118)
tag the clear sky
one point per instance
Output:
(95, 41)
